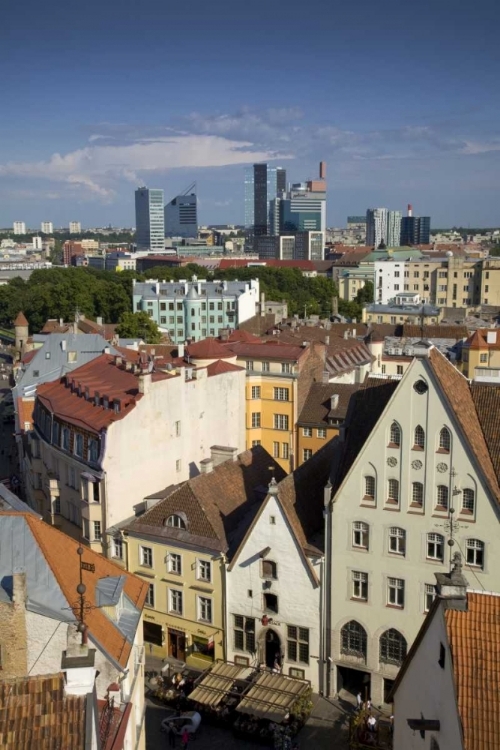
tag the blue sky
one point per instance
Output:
(401, 100)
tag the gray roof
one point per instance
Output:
(180, 290)
(403, 309)
(9, 501)
(51, 360)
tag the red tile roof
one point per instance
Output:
(101, 375)
(60, 551)
(26, 358)
(240, 335)
(266, 350)
(209, 348)
(222, 366)
(21, 320)
(476, 341)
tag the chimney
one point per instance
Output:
(322, 170)
(63, 345)
(98, 320)
(78, 663)
(327, 494)
(335, 305)
(334, 401)
(410, 210)
(452, 586)
(180, 350)
(206, 466)
(19, 588)
(262, 304)
(327, 340)
(61, 321)
(144, 381)
(222, 453)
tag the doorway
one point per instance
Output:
(177, 644)
(272, 651)
(354, 681)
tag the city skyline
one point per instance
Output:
(436, 145)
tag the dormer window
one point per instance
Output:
(176, 521)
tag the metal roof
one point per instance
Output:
(272, 696)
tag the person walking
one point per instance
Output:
(185, 739)
(359, 701)
(171, 735)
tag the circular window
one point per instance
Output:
(421, 386)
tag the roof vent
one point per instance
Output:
(97, 399)
(334, 401)
(117, 406)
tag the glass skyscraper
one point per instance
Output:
(263, 184)
(149, 219)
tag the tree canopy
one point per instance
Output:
(138, 325)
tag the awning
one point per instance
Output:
(217, 683)
(272, 696)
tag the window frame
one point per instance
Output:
(360, 531)
(397, 534)
(278, 392)
(395, 585)
(388, 642)
(296, 639)
(246, 627)
(273, 575)
(255, 392)
(393, 484)
(348, 637)
(434, 546)
(307, 432)
(470, 497)
(202, 565)
(444, 440)
(366, 479)
(417, 498)
(171, 567)
(478, 548)
(442, 490)
(145, 553)
(178, 595)
(359, 584)
(419, 438)
(150, 596)
(204, 601)
(395, 435)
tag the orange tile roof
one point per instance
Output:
(474, 637)
(25, 410)
(476, 341)
(60, 553)
(240, 335)
(209, 348)
(21, 320)
(266, 350)
(220, 367)
(35, 714)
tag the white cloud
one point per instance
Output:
(97, 168)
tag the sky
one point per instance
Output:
(400, 99)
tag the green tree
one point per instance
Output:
(365, 294)
(138, 325)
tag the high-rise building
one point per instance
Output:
(149, 219)
(415, 230)
(310, 246)
(36, 242)
(19, 227)
(376, 227)
(181, 216)
(262, 185)
(303, 207)
(393, 228)
(75, 227)
(47, 227)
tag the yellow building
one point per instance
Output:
(323, 413)
(278, 379)
(481, 350)
(179, 545)
(490, 282)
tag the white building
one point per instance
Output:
(447, 689)
(111, 432)
(19, 227)
(394, 228)
(37, 242)
(75, 227)
(376, 227)
(274, 577)
(47, 227)
(310, 246)
(416, 448)
(40, 609)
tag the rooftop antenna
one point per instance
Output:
(81, 607)
(451, 525)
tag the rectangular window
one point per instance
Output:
(397, 540)
(256, 391)
(360, 534)
(146, 557)
(117, 548)
(205, 570)
(249, 364)
(175, 603)
(256, 419)
(307, 454)
(286, 367)
(86, 528)
(321, 433)
(271, 603)
(256, 442)
(56, 507)
(270, 569)
(204, 609)
(175, 563)
(93, 451)
(265, 367)
(359, 585)
(178, 465)
(85, 490)
(396, 592)
(280, 422)
(244, 633)
(150, 596)
(78, 445)
(285, 450)
(307, 432)
(97, 531)
(483, 358)
(297, 644)
(177, 429)
(276, 450)
(429, 596)
(281, 394)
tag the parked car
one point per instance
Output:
(189, 720)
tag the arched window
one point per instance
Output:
(393, 491)
(435, 547)
(419, 440)
(176, 521)
(468, 500)
(475, 553)
(417, 494)
(370, 487)
(395, 434)
(442, 497)
(360, 534)
(353, 639)
(393, 647)
(444, 440)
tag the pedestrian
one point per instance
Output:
(171, 735)
(185, 738)
(359, 701)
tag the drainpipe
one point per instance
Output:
(327, 590)
(223, 560)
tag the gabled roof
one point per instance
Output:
(214, 504)
(317, 407)
(220, 367)
(59, 552)
(35, 714)
(476, 341)
(209, 348)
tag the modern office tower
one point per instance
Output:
(19, 227)
(309, 246)
(149, 219)
(415, 230)
(274, 247)
(302, 211)
(262, 185)
(75, 227)
(376, 227)
(393, 228)
(47, 227)
(181, 215)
